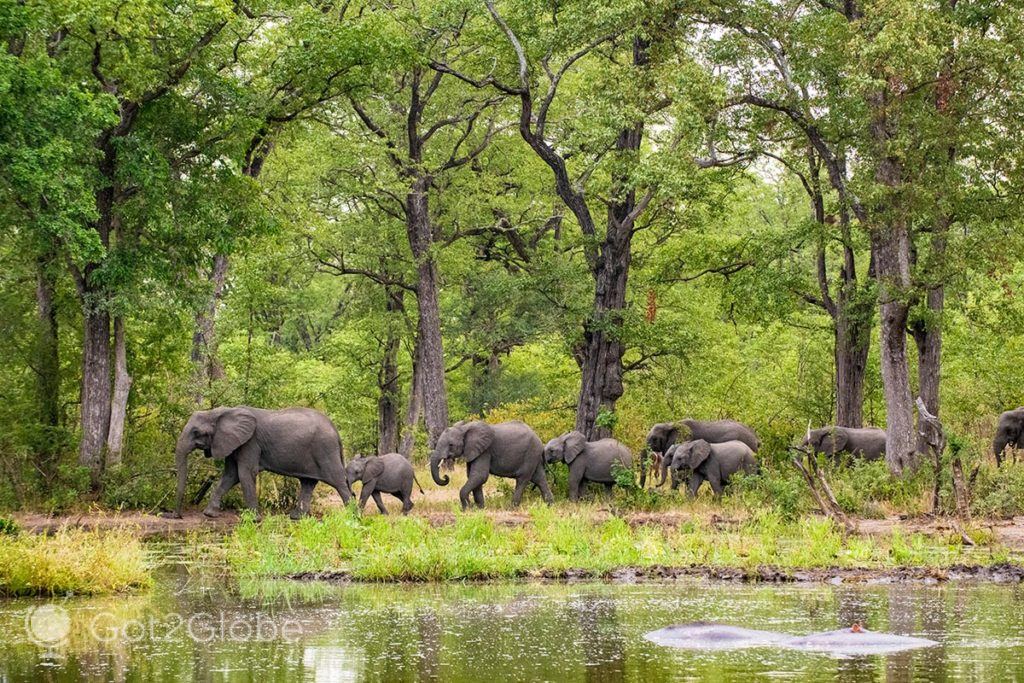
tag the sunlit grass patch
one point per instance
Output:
(557, 540)
(72, 561)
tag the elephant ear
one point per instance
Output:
(670, 454)
(374, 468)
(699, 453)
(834, 441)
(476, 439)
(573, 445)
(234, 428)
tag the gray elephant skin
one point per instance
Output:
(664, 434)
(507, 449)
(1009, 433)
(390, 473)
(714, 463)
(865, 442)
(294, 442)
(588, 461)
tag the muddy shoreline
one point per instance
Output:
(1003, 573)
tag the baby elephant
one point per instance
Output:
(588, 461)
(711, 462)
(390, 473)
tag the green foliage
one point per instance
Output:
(999, 492)
(71, 561)
(556, 540)
(8, 527)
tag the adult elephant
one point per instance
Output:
(865, 442)
(588, 461)
(664, 434)
(714, 463)
(1009, 433)
(507, 449)
(295, 442)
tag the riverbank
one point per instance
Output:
(559, 543)
(72, 561)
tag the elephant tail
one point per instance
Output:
(418, 484)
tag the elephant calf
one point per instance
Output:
(714, 463)
(588, 461)
(865, 442)
(664, 434)
(390, 473)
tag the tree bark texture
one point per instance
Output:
(428, 324)
(47, 366)
(388, 401)
(119, 402)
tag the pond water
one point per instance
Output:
(210, 628)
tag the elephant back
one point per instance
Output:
(720, 431)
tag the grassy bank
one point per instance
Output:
(71, 561)
(556, 540)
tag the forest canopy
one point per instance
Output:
(583, 214)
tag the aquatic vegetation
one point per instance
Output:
(556, 542)
(72, 561)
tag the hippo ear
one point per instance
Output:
(478, 437)
(699, 453)
(574, 444)
(234, 428)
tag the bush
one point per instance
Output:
(779, 490)
(999, 491)
(865, 487)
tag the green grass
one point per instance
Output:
(72, 561)
(556, 540)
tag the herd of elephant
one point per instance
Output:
(304, 444)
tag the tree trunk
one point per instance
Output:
(119, 403)
(414, 407)
(852, 346)
(95, 401)
(207, 368)
(428, 326)
(890, 244)
(892, 257)
(387, 381)
(601, 362)
(601, 366)
(47, 368)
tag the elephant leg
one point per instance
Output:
(717, 484)
(476, 476)
(695, 481)
(608, 491)
(305, 498)
(517, 495)
(676, 480)
(406, 498)
(541, 481)
(364, 494)
(228, 479)
(379, 502)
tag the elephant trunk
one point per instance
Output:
(435, 462)
(999, 446)
(664, 470)
(181, 451)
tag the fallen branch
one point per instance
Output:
(816, 481)
(934, 435)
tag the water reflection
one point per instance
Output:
(191, 628)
